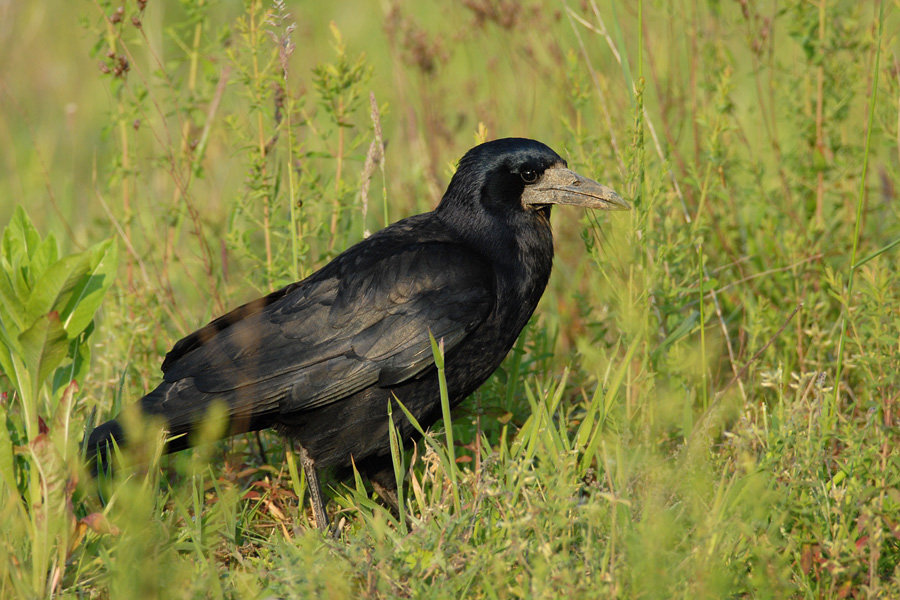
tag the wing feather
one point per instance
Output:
(361, 321)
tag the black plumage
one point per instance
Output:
(320, 359)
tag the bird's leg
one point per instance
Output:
(316, 499)
(389, 495)
(262, 449)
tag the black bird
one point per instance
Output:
(320, 359)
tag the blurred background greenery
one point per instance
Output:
(705, 403)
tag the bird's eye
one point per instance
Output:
(529, 176)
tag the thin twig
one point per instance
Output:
(138, 260)
(765, 273)
(595, 80)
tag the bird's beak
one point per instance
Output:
(559, 185)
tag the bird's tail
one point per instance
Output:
(187, 416)
(100, 445)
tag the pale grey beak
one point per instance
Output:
(559, 185)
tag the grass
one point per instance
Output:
(705, 404)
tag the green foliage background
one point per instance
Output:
(705, 404)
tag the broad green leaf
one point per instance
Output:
(77, 369)
(19, 280)
(61, 421)
(88, 293)
(20, 238)
(44, 347)
(55, 287)
(45, 255)
(6, 361)
(21, 242)
(7, 460)
(12, 308)
(54, 482)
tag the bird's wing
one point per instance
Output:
(362, 321)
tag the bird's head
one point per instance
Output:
(516, 176)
